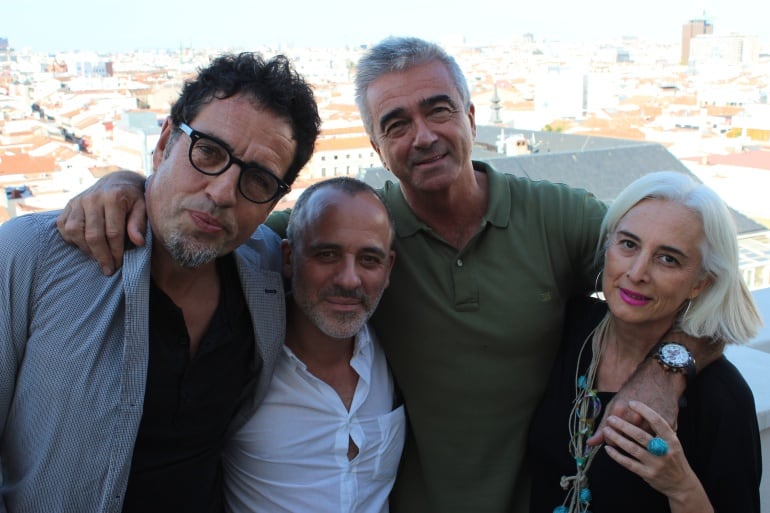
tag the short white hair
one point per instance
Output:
(725, 310)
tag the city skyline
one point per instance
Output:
(48, 26)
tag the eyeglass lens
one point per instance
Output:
(210, 157)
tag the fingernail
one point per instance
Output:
(107, 270)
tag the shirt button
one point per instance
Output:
(459, 262)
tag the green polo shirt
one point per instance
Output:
(471, 335)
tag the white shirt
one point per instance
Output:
(292, 455)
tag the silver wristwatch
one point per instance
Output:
(675, 357)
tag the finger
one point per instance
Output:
(629, 445)
(95, 238)
(630, 431)
(61, 219)
(114, 231)
(619, 408)
(71, 224)
(658, 423)
(631, 464)
(597, 438)
(137, 223)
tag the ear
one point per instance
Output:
(286, 255)
(376, 148)
(472, 119)
(700, 286)
(160, 148)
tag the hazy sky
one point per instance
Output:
(47, 25)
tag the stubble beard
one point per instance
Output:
(188, 252)
(337, 324)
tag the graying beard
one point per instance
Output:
(187, 253)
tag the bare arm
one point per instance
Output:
(656, 387)
(98, 219)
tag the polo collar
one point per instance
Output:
(498, 210)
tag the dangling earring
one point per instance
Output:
(597, 289)
(687, 309)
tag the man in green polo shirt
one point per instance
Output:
(473, 315)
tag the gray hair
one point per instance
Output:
(725, 310)
(301, 216)
(400, 54)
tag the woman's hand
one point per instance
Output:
(668, 473)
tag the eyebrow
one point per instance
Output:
(367, 249)
(426, 102)
(670, 249)
(250, 165)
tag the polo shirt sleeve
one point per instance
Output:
(583, 235)
(278, 221)
(573, 219)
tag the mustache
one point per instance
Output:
(337, 291)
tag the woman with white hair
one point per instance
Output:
(670, 262)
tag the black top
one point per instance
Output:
(717, 428)
(189, 403)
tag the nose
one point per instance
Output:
(223, 189)
(347, 274)
(424, 135)
(638, 270)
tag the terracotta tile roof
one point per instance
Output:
(755, 159)
(24, 164)
(723, 111)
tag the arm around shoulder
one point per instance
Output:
(98, 219)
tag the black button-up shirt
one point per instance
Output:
(189, 402)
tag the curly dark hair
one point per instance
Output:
(275, 86)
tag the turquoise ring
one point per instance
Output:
(657, 446)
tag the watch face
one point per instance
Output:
(674, 355)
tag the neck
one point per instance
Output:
(194, 291)
(175, 280)
(634, 341)
(315, 348)
(454, 212)
(625, 346)
(327, 358)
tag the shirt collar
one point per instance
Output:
(363, 352)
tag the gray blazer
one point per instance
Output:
(73, 362)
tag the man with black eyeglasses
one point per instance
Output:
(117, 393)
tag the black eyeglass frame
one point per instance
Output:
(195, 136)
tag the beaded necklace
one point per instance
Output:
(585, 410)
